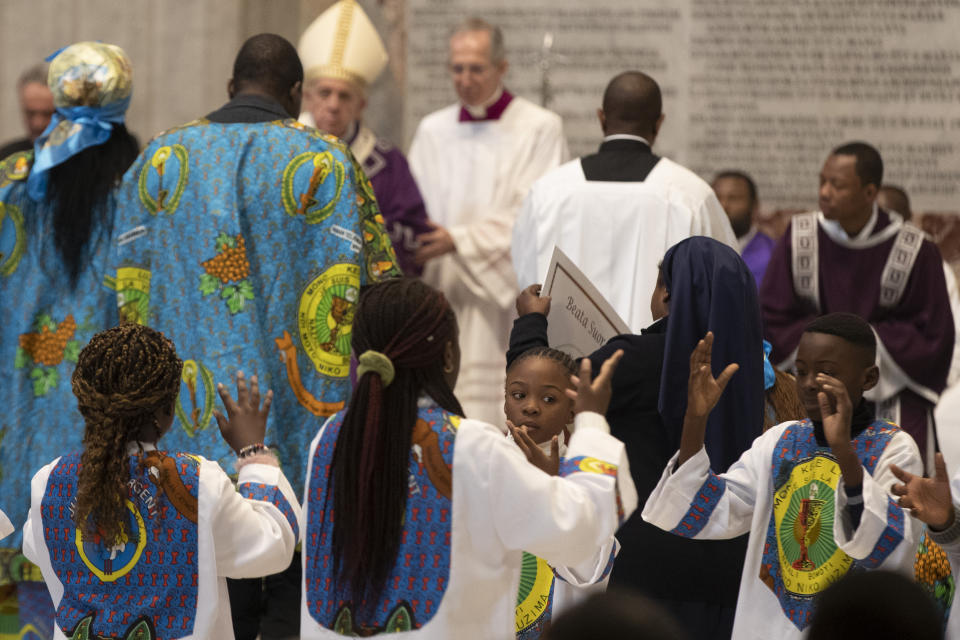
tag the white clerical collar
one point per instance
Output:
(480, 111)
(866, 237)
(837, 232)
(626, 136)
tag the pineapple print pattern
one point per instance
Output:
(45, 348)
(933, 573)
(227, 273)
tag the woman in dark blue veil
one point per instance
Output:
(711, 289)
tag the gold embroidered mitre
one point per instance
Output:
(342, 43)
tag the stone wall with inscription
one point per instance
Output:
(768, 86)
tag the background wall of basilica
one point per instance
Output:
(764, 85)
(182, 50)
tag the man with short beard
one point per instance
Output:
(737, 193)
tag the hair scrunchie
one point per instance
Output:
(371, 361)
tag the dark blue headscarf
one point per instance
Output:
(712, 289)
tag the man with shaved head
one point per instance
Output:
(615, 212)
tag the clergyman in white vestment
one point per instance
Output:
(474, 162)
(616, 212)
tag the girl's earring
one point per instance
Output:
(448, 368)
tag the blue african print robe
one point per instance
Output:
(247, 245)
(46, 323)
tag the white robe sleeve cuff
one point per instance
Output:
(670, 500)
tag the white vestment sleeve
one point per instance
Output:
(483, 244)
(524, 245)
(695, 502)
(562, 519)
(256, 524)
(595, 570)
(34, 544)
(885, 530)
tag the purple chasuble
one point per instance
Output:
(757, 254)
(918, 332)
(404, 214)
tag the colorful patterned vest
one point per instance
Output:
(421, 573)
(146, 587)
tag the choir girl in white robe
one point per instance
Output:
(433, 511)
(538, 417)
(134, 542)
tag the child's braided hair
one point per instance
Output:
(123, 377)
(561, 357)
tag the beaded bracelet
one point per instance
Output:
(252, 449)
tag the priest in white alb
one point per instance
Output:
(616, 212)
(474, 162)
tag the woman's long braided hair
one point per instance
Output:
(123, 377)
(411, 324)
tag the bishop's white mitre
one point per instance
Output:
(342, 43)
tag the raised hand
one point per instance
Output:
(928, 499)
(529, 301)
(593, 395)
(246, 421)
(703, 390)
(548, 464)
(835, 411)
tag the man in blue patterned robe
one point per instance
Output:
(245, 237)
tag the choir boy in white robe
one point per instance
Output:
(474, 162)
(617, 211)
(814, 495)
